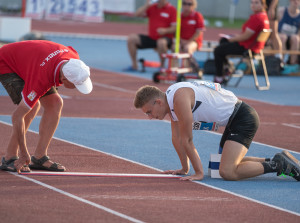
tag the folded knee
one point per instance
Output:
(228, 174)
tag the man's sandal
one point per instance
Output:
(37, 164)
(9, 165)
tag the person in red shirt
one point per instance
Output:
(237, 45)
(192, 27)
(31, 71)
(161, 29)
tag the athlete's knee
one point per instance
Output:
(228, 174)
(52, 103)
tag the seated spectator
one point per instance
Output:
(192, 26)
(289, 23)
(161, 29)
(191, 32)
(239, 44)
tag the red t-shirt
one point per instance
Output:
(257, 22)
(189, 24)
(160, 18)
(38, 63)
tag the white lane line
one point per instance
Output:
(204, 184)
(38, 173)
(248, 198)
(295, 125)
(80, 199)
(112, 87)
(295, 113)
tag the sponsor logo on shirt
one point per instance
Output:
(165, 15)
(32, 95)
(51, 55)
(191, 22)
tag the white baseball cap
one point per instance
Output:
(77, 72)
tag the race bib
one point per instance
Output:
(209, 126)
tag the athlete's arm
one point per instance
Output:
(184, 160)
(183, 103)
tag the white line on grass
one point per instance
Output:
(79, 199)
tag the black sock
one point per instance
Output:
(270, 166)
(267, 159)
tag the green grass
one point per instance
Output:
(130, 19)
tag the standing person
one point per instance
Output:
(201, 101)
(161, 29)
(272, 15)
(239, 44)
(31, 71)
(289, 26)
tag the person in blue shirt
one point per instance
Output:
(289, 24)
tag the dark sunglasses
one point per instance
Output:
(187, 3)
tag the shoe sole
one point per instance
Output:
(295, 163)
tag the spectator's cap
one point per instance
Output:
(77, 72)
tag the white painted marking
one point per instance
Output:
(80, 199)
(65, 96)
(86, 36)
(38, 173)
(247, 198)
(295, 113)
(112, 87)
(159, 198)
(204, 184)
(296, 126)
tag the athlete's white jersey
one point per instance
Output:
(212, 103)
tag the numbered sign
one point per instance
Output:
(35, 9)
(94, 11)
(69, 7)
(54, 9)
(81, 10)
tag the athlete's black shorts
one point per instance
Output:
(242, 127)
(14, 86)
(147, 42)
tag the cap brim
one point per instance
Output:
(86, 87)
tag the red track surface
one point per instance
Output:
(148, 200)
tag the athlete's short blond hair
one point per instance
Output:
(146, 94)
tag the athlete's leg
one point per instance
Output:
(233, 168)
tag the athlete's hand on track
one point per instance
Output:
(193, 177)
(175, 172)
